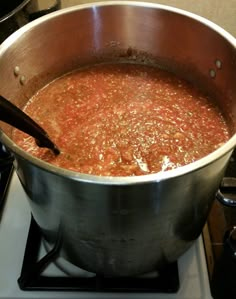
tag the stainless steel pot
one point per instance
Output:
(124, 225)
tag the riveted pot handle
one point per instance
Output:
(40, 13)
(226, 194)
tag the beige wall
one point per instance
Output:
(221, 12)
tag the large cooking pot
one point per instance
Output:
(120, 226)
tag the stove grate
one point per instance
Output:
(32, 277)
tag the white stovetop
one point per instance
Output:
(14, 226)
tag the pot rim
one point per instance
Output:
(14, 11)
(226, 148)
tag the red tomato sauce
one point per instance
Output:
(124, 120)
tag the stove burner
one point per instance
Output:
(32, 278)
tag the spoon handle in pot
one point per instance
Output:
(12, 115)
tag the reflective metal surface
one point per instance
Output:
(128, 225)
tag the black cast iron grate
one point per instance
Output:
(33, 279)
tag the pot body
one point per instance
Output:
(129, 225)
(121, 230)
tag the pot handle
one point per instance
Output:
(40, 13)
(226, 194)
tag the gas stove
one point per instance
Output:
(59, 279)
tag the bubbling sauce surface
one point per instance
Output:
(124, 120)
